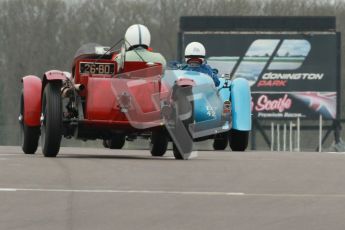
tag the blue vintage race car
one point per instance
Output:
(199, 111)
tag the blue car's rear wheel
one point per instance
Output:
(238, 140)
(221, 141)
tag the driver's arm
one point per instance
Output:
(214, 75)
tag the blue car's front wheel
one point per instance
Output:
(238, 140)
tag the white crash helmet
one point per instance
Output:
(137, 35)
(194, 50)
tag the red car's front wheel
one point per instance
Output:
(51, 119)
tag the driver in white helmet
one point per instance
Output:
(195, 61)
(137, 42)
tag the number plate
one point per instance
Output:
(96, 68)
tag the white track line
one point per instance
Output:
(153, 192)
(121, 191)
(8, 190)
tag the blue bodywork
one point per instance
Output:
(209, 101)
(241, 104)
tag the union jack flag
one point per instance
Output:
(320, 102)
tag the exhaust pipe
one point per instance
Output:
(79, 87)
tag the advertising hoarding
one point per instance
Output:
(292, 74)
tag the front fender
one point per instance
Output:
(241, 105)
(32, 87)
(53, 75)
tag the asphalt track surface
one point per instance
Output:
(106, 189)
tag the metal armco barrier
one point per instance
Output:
(294, 135)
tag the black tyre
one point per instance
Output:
(105, 144)
(29, 135)
(116, 141)
(238, 140)
(184, 109)
(158, 143)
(52, 119)
(221, 141)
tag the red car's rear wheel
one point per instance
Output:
(29, 134)
(52, 119)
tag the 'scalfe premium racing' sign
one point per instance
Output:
(291, 74)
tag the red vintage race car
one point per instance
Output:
(100, 99)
